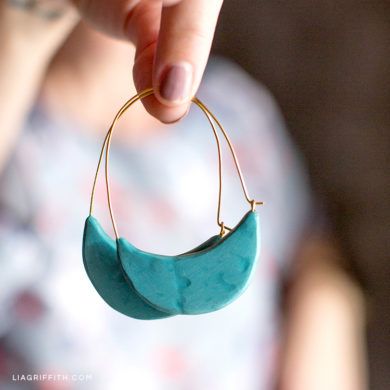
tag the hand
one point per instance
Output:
(30, 34)
(172, 39)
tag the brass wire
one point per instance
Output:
(210, 117)
(252, 202)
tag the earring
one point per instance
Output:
(143, 285)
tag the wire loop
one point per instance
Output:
(212, 121)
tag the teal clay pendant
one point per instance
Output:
(149, 286)
(199, 282)
(104, 271)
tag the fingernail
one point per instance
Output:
(176, 83)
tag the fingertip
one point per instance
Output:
(179, 117)
(163, 113)
(165, 110)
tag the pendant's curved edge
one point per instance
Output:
(174, 299)
(199, 249)
(251, 272)
(159, 314)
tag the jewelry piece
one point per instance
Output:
(149, 286)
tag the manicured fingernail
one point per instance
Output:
(176, 83)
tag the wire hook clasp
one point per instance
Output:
(253, 203)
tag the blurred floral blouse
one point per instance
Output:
(52, 321)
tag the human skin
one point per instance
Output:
(172, 42)
(27, 44)
(324, 326)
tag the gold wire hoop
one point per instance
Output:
(210, 117)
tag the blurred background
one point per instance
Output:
(328, 65)
(303, 89)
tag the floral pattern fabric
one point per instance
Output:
(164, 197)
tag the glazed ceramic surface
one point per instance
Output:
(105, 273)
(198, 281)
